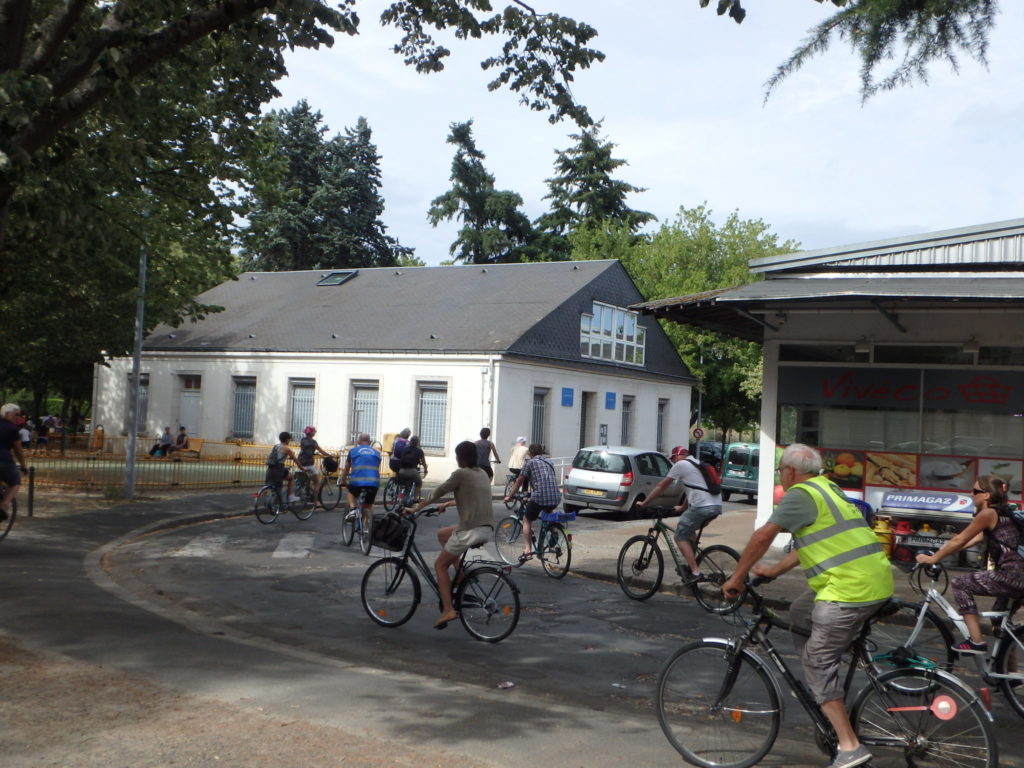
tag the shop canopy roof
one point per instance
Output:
(747, 310)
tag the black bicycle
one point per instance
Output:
(483, 594)
(271, 501)
(355, 522)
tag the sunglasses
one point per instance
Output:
(976, 491)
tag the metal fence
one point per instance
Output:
(95, 462)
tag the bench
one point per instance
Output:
(195, 446)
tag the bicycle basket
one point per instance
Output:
(557, 516)
(330, 465)
(389, 530)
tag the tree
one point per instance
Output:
(493, 227)
(316, 204)
(61, 61)
(583, 189)
(925, 31)
(692, 255)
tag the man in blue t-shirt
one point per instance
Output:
(10, 447)
(362, 474)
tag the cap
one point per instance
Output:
(309, 430)
(680, 450)
(520, 439)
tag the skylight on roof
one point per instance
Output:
(337, 278)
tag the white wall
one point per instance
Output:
(482, 391)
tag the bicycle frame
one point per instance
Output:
(660, 528)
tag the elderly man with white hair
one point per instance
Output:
(10, 447)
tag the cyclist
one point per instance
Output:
(544, 496)
(472, 491)
(308, 449)
(277, 472)
(484, 449)
(994, 520)
(10, 448)
(409, 466)
(698, 507)
(362, 474)
(397, 449)
(845, 567)
(518, 457)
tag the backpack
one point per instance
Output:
(1017, 515)
(712, 481)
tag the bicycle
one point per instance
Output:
(330, 487)
(270, 501)
(12, 512)
(720, 704)
(486, 599)
(930, 637)
(552, 544)
(303, 507)
(641, 565)
(353, 524)
(510, 480)
(398, 494)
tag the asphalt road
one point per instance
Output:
(201, 598)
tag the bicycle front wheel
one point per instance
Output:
(348, 527)
(508, 539)
(12, 512)
(555, 551)
(488, 604)
(1010, 661)
(900, 630)
(390, 592)
(330, 494)
(390, 495)
(641, 567)
(268, 504)
(718, 709)
(716, 564)
(924, 717)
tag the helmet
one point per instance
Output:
(308, 431)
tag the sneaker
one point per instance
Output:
(857, 756)
(294, 498)
(693, 578)
(969, 646)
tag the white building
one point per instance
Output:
(548, 351)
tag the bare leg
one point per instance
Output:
(835, 711)
(686, 549)
(974, 627)
(527, 535)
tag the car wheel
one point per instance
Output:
(570, 508)
(634, 511)
(726, 495)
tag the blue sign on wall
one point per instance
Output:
(609, 401)
(567, 396)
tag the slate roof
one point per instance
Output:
(529, 310)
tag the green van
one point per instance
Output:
(739, 469)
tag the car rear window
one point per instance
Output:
(600, 461)
(738, 456)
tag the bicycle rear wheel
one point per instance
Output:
(718, 709)
(716, 565)
(641, 567)
(303, 508)
(1010, 661)
(390, 592)
(488, 604)
(555, 551)
(924, 717)
(330, 493)
(348, 527)
(508, 489)
(365, 530)
(508, 539)
(390, 495)
(12, 512)
(932, 641)
(268, 504)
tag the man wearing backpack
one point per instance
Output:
(702, 502)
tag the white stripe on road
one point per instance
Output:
(206, 545)
(295, 545)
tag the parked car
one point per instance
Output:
(710, 453)
(740, 470)
(615, 478)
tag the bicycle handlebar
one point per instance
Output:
(934, 570)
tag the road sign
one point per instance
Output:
(697, 433)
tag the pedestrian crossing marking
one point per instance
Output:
(295, 545)
(204, 545)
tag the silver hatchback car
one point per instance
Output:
(615, 478)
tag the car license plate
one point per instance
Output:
(591, 492)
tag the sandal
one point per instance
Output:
(443, 619)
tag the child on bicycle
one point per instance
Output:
(308, 449)
(472, 490)
(277, 472)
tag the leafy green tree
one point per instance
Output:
(316, 204)
(916, 33)
(494, 229)
(583, 189)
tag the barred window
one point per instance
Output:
(431, 423)
(627, 420)
(243, 412)
(363, 418)
(662, 413)
(303, 397)
(538, 429)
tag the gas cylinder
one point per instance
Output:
(902, 528)
(884, 534)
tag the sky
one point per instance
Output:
(681, 94)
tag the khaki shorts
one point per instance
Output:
(460, 541)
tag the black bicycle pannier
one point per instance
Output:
(389, 530)
(330, 465)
